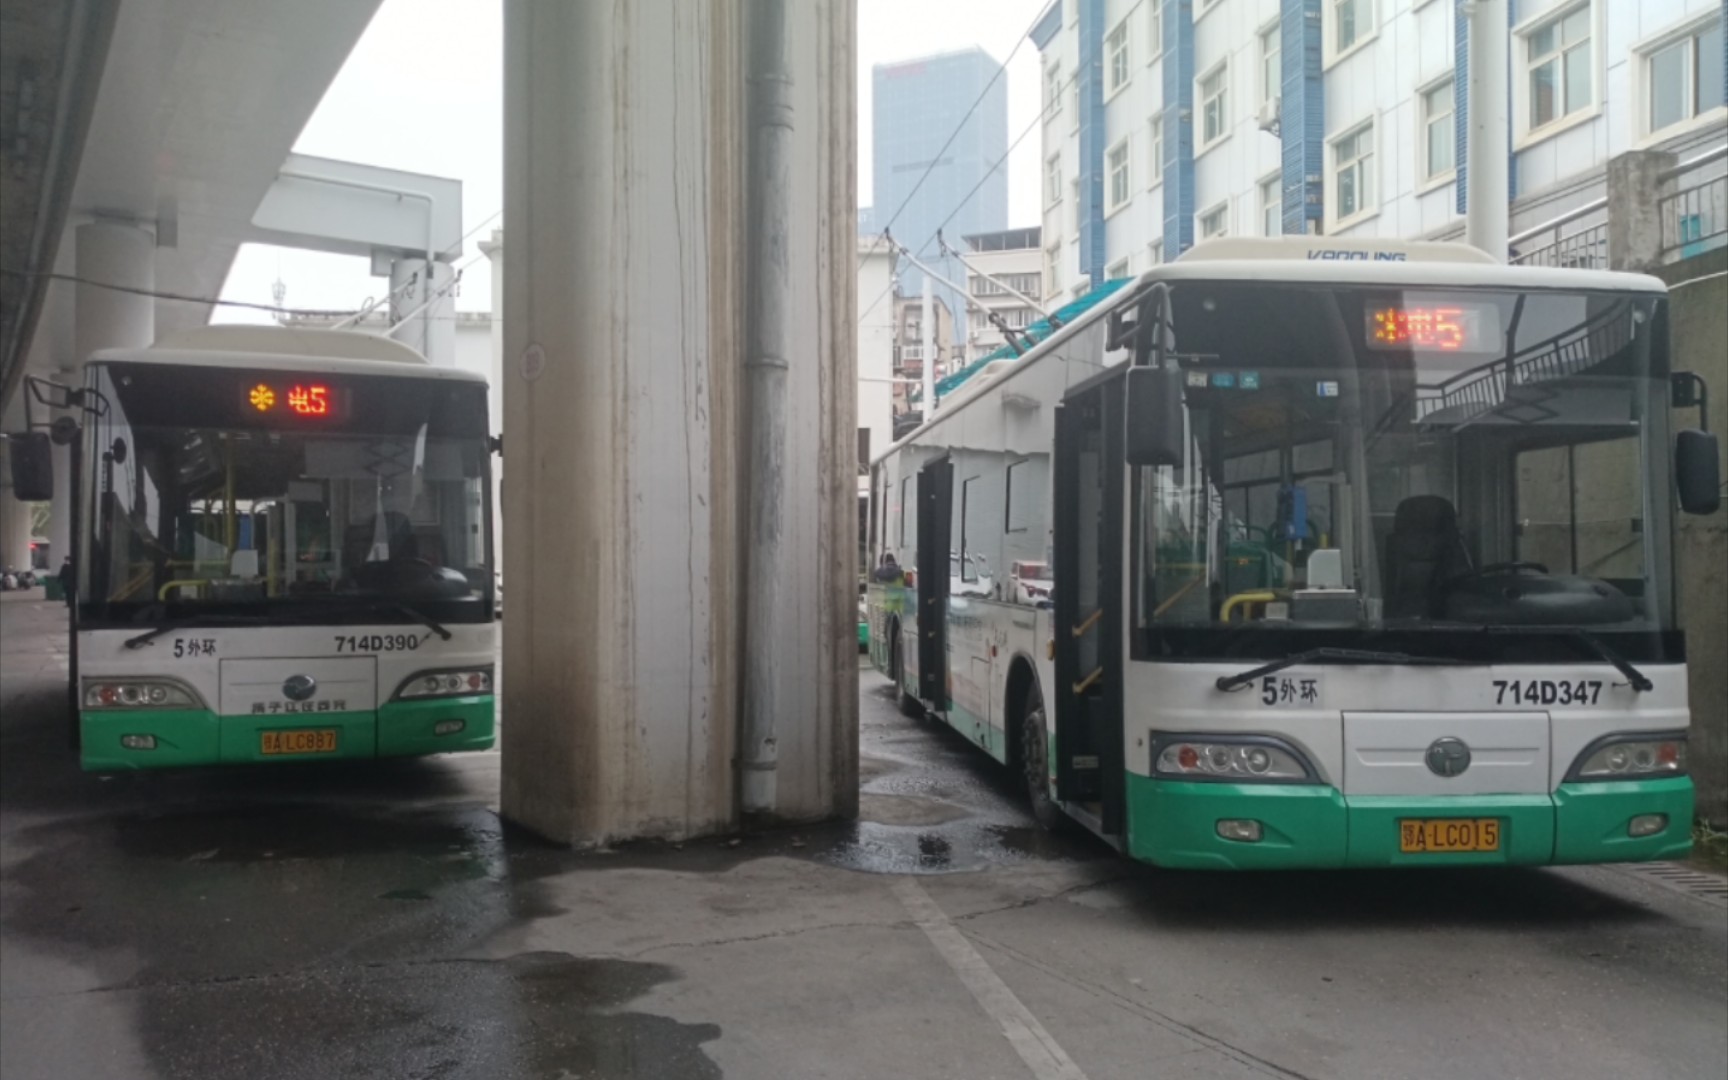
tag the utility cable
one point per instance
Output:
(958, 128)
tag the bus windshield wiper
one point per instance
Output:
(1599, 648)
(413, 613)
(191, 622)
(1237, 681)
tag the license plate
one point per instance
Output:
(310, 741)
(1419, 835)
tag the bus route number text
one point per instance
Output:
(1547, 691)
(184, 647)
(1290, 691)
(357, 643)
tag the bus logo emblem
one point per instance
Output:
(1448, 757)
(301, 687)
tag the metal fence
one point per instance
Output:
(1585, 249)
(1694, 215)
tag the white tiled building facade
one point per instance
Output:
(1590, 79)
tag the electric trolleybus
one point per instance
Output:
(1312, 552)
(282, 552)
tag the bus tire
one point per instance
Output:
(1034, 761)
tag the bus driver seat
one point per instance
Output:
(1423, 552)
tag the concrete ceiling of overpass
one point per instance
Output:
(199, 103)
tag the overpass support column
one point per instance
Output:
(108, 257)
(627, 308)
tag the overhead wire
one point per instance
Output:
(1038, 121)
(274, 309)
(936, 159)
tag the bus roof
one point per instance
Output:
(1389, 263)
(288, 348)
(1318, 260)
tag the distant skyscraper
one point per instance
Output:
(918, 104)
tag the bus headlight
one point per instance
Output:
(145, 693)
(1235, 758)
(457, 682)
(1632, 756)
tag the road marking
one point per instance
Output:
(1036, 1048)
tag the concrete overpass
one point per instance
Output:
(679, 343)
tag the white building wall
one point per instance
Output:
(1409, 51)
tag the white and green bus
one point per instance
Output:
(1315, 553)
(283, 552)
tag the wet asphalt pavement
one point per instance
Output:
(380, 921)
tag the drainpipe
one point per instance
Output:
(767, 337)
(1487, 147)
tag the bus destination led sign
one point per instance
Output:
(310, 399)
(1460, 328)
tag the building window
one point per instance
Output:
(1116, 56)
(1683, 77)
(1351, 22)
(1561, 77)
(1155, 252)
(1116, 167)
(1155, 151)
(1074, 102)
(1272, 205)
(1074, 190)
(1154, 29)
(1052, 267)
(1053, 180)
(1270, 73)
(1117, 269)
(1053, 90)
(1439, 140)
(1215, 222)
(1214, 104)
(1353, 173)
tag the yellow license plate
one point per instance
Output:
(1422, 835)
(310, 741)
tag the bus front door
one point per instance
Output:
(1088, 494)
(935, 509)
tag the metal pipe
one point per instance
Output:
(767, 344)
(1488, 188)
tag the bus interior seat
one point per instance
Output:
(1423, 551)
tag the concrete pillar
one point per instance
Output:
(422, 300)
(493, 249)
(626, 187)
(106, 253)
(1634, 214)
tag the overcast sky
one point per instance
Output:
(423, 92)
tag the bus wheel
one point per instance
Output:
(1035, 760)
(909, 705)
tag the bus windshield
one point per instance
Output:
(283, 495)
(1406, 460)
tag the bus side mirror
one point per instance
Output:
(1154, 435)
(1697, 472)
(32, 466)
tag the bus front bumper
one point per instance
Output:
(122, 740)
(1176, 824)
